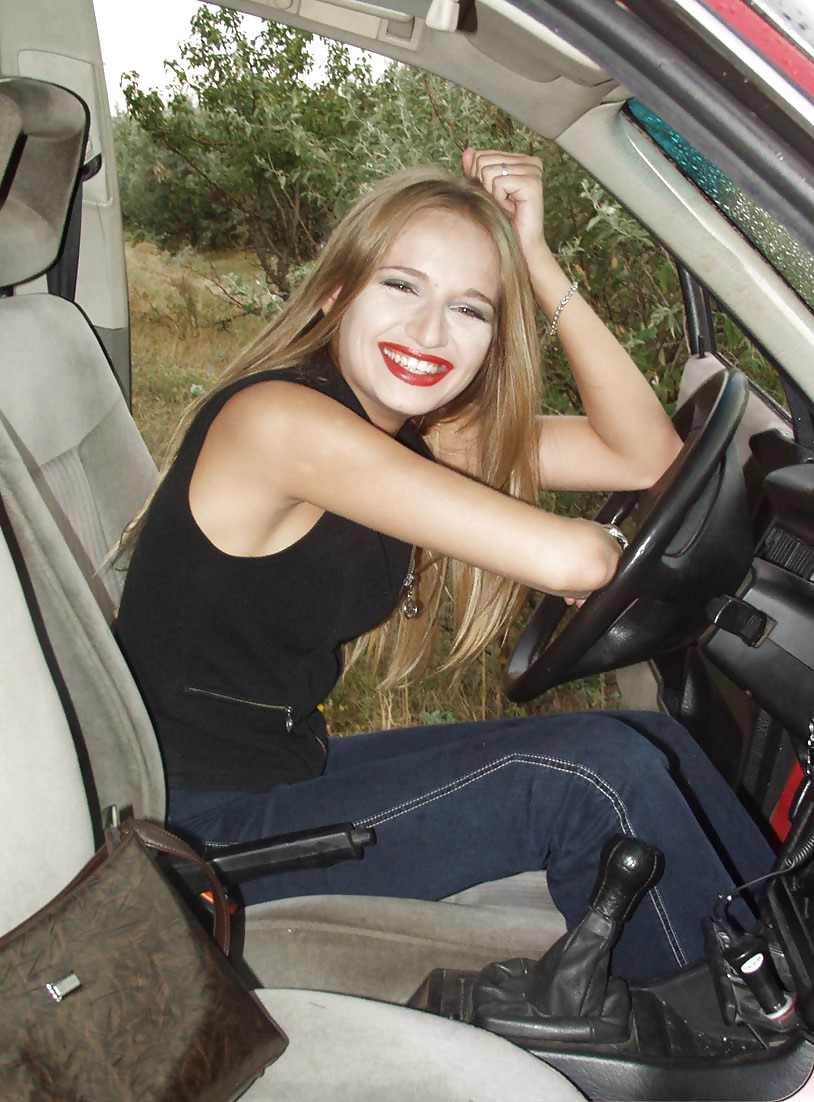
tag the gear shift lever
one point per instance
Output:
(568, 994)
(571, 979)
(628, 867)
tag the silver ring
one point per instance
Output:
(503, 170)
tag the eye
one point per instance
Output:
(475, 312)
(399, 284)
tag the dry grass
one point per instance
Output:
(185, 332)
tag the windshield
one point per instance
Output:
(783, 251)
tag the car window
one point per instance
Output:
(783, 251)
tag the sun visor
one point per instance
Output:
(43, 130)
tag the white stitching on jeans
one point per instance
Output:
(552, 763)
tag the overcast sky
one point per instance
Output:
(140, 37)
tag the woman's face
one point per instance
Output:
(416, 335)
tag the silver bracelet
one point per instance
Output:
(617, 534)
(566, 298)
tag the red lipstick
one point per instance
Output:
(404, 366)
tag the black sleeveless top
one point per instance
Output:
(233, 655)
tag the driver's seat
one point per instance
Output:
(73, 471)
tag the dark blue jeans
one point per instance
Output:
(456, 805)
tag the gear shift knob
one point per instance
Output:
(569, 994)
(627, 868)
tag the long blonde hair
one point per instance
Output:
(499, 405)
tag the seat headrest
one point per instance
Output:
(43, 132)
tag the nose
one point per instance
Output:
(427, 324)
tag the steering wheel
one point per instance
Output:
(693, 542)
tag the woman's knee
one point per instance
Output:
(602, 741)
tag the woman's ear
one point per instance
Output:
(329, 300)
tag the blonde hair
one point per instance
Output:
(499, 405)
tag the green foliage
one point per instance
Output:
(416, 117)
(249, 149)
(629, 279)
(244, 137)
(738, 349)
(162, 199)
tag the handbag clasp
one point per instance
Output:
(66, 986)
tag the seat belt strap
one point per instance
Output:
(80, 746)
(62, 274)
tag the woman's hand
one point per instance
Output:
(516, 182)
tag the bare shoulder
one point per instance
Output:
(280, 435)
(280, 405)
(252, 488)
(279, 422)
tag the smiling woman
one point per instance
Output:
(389, 407)
(436, 289)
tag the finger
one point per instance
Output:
(512, 183)
(514, 188)
(489, 163)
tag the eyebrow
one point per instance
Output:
(471, 292)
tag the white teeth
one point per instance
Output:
(412, 363)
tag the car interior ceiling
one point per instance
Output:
(743, 684)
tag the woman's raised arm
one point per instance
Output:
(625, 440)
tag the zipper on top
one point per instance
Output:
(229, 699)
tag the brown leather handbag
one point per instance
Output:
(115, 992)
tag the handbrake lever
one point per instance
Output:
(319, 847)
(237, 862)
